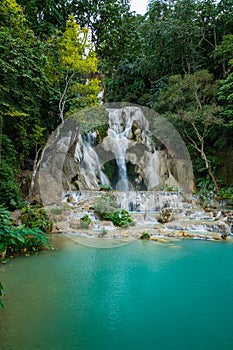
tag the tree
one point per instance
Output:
(23, 82)
(46, 16)
(23, 87)
(72, 70)
(225, 98)
(223, 53)
(189, 100)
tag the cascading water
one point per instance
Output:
(119, 136)
(120, 139)
(132, 158)
(87, 157)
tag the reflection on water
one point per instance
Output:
(142, 295)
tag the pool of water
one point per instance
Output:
(142, 295)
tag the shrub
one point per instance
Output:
(21, 241)
(145, 235)
(165, 216)
(36, 217)
(122, 218)
(107, 209)
(9, 189)
(227, 194)
(85, 221)
(105, 188)
(18, 240)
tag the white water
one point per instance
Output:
(88, 159)
(119, 140)
(130, 143)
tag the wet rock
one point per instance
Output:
(70, 199)
(75, 224)
(199, 225)
(56, 229)
(159, 239)
(61, 227)
(165, 216)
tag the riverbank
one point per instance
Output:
(186, 220)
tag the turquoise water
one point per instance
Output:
(142, 295)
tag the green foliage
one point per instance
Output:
(109, 168)
(145, 235)
(122, 218)
(46, 16)
(72, 69)
(9, 167)
(85, 221)
(19, 240)
(189, 101)
(105, 204)
(9, 190)
(227, 194)
(166, 215)
(105, 188)
(49, 69)
(173, 189)
(102, 132)
(107, 209)
(103, 232)
(23, 82)
(5, 218)
(36, 217)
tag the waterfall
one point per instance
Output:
(88, 159)
(118, 133)
(134, 156)
(147, 201)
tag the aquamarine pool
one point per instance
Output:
(142, 295)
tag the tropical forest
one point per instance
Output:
(116, 131)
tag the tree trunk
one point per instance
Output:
(208, 167)
(36, 165)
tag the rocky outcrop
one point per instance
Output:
(133, 141)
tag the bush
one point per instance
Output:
(227, 194)
(21, 241)
(9, 189)
(122, 218)
(36, 217)
(18, 240)
(145, 235)
(107, 209)
(85, 221)
(105, 204)
(105, 188)
(9, 167)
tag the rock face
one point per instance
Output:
(138, 150)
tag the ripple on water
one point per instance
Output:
(142, 294)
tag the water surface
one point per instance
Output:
(142, 295)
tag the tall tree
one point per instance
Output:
(46, 16)
(190, 102)
(22, 76)
(72, 69)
